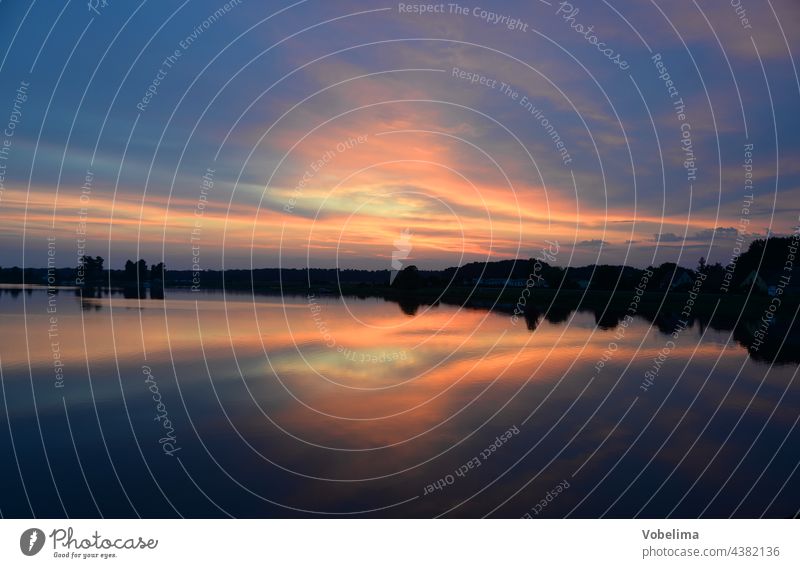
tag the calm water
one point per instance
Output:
(292, 407)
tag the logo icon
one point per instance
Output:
(31, 542)
(403, 248)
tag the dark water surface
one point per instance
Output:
(277, 407)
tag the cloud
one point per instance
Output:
(719, 232)
(702, 235)
(667, 238)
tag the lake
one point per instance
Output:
(216, 404)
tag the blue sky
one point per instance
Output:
(367, 97)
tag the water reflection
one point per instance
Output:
(286, 406)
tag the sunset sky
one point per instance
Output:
(315, 133)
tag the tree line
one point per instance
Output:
(764, 261)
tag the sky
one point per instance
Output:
(350, 134)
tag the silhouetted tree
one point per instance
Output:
(714, 277)
(136, 273)
(130, 271)
(765, 256)
(89, 271)
(408, 279)
(157, 273)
